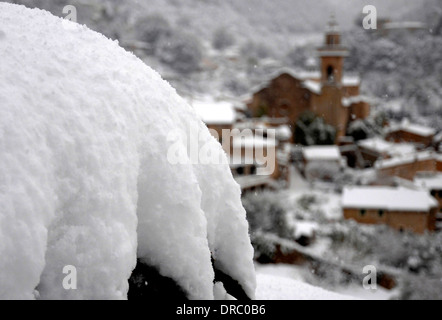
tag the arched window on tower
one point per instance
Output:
(330, 74)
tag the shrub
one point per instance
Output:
(152, 30)
(181, 52)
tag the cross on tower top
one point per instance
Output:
(332, 25)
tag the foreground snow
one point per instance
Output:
(85, 179)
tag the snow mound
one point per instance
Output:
(84, 176)
(271, 287)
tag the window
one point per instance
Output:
(362, 212)
(253, 170)
(381, 213)
(330, 74)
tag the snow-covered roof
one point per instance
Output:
(350, 81)
(274, 287)
(387, 198)
(213, 112)
(313, 86)
(299, 74)
(348, 101)
(376, 144)
(306, 74)
(429, 181)
(283, 132)
(310, 78)
(305, 228)
(414, 128)
(322, 153)
(382, 146)
(404, 159)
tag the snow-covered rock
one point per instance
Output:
(85, 179)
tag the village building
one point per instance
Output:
(420, 135)
(217, 115)
(398, 207)
(259, 162)
(408, 166)
(328, 154)
(256, 149)
(374, 149)
(352, 153)
(322, 162)
(432, 182)
(329, 93)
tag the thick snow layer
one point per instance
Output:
(431, 181)
(414, 128)
(331, 153)
(351, 80)
(313, 86)
(84, 176)
(402, 159)
(388, 198)
(305, 228)
(382, 146)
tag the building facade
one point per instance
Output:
(328, 93)
(400, 208)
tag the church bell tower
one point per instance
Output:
(332, 55)
(329, 104)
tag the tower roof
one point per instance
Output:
(332, 25)
(332, 45)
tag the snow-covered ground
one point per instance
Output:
(311, 209)
(273, 287)
(287, 282)
(327, 201)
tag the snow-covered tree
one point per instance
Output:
(151, 29)
(311, 129)
(180, 51)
